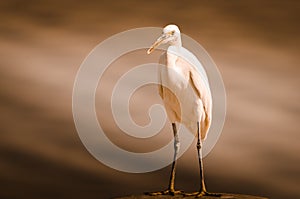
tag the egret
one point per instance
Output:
(186, 96)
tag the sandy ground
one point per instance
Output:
(42, 44)
(236, 196)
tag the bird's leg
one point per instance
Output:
(202, 191)
(176, 150)
(171, 190)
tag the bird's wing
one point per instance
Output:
(204, 94)
(162, 62)
(199, 82)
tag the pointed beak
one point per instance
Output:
(159, 41)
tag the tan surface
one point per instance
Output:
(227, 196)
(42, 44)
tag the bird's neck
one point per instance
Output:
(173, 52)
(172, 55)
(177, 42)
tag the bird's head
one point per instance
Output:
(170, 35)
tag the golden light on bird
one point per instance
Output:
(185, 83)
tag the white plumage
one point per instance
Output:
(186, 83)
(186, 96)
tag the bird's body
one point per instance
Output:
(186, 93)
(184, 89)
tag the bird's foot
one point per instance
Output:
(171, 192)
(203, 193)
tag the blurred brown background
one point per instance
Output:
(254, 43)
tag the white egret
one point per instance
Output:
(186, 96)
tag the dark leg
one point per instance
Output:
(171, 189)
(202, 191)
(176, 149)
(199, 149)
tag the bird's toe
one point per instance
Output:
(203, 193)
(166, 192)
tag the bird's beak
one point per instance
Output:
(156, 43)
(160, 40)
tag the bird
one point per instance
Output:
(185, 92)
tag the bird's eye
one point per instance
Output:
(173, 32)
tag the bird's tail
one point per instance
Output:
(204, 125)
